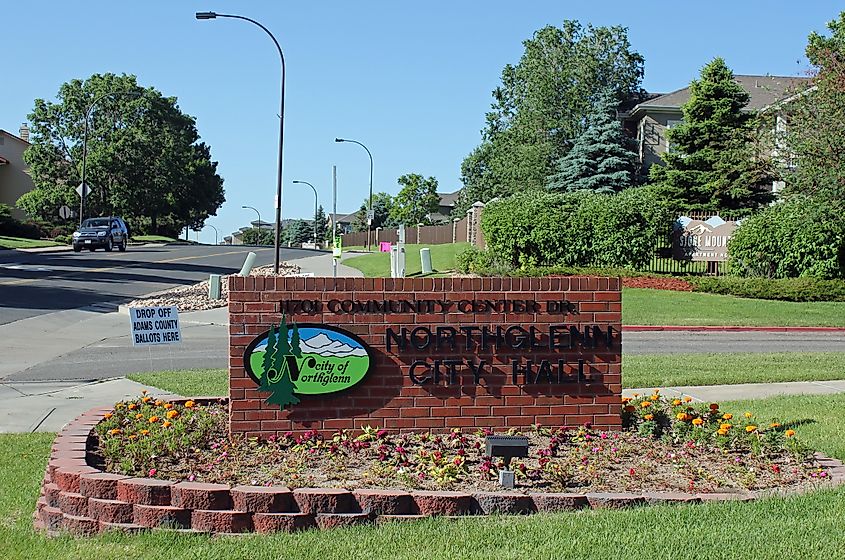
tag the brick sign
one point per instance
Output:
(423, 353)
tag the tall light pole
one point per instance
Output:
(216, 234)
(85, 145)
(258, 228)
(214, 15)
(315, 207)
(370, 214)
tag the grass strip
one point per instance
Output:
(23, 243)
(377, 264)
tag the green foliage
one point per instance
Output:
(255, 236)
(417, 199)
(542, 104)
(145, 161)
(800, 237)
(785, 289)
(382, 207)
(322, 225)
(481, 261)
(299, 232)
(715, 161)
(576, 229)
(12, 227)
(601, 159)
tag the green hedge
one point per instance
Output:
(576, 229)
(801, 237)
(786, 289)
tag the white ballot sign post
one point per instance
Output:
(155, 325)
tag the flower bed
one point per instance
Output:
(170, 464)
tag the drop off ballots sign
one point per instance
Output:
(155, 325)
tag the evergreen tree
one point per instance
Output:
(601, 159)
(322, 224)
(279, 381)
(267, 363)
(299, 232)
(714, 163)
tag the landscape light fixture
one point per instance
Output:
(506, 447)
(370, 214)
(215, 15)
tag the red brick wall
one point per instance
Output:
(388, 398)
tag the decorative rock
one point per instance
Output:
(670, 497)
(67, 478)
(384, 502)
(325, 500)
(146, 491)
(51, 494)
(221, 521)
(554, 502)
(100, 485)
(335, 520)
(612, 500)
(109, 511)
(161, 516)
(73, 504)
(52, 518)
(504, 503)
(262, 499)
(282, 522)
(197, 495)
(442, 503)
(78, 525)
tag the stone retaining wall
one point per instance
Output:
(80, 499)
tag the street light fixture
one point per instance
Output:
(214, 15)
(315, 207)
(258, 227)
(85, 145)
(216, 234)
(370, 214)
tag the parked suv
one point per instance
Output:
(107, 232)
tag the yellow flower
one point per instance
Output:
(172, 414)
(168, 406)
(645, 404)
(626, 400)
(132, 406)
(722, 432)
(144, 432)
(153, 419)
(114, 432)
(139, 416)
(676, 402)
(687, 399)
(725, 427)
(774, 425)
(789, 433)
(727, 416)
(682, 416)
(748, 415)
(649, 416)
(655, 397)
(167, 424)
(190, 404)
(146, 399)
(133, 436)
(119, 405)
(750, 428)
(107, 415)
(158, 403)
(698, 422)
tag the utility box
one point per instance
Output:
(425, 260)
(214, 286)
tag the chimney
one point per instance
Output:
(24, 133)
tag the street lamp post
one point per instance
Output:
(258, 227)
(370, 214)
(216, 234)
(85, 145)
(315, 207)
(214, 15)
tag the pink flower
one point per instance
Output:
(152, 472)
(191, 478)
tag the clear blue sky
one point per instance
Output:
(411, 80)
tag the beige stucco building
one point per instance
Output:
(14, 176)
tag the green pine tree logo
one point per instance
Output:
(280, 366)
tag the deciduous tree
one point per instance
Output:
(417, 199)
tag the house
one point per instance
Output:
(445, 207)
(14, 176)
(344, 221)
(649, 119)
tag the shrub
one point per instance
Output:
(801, 237)
(477, 261)
(785, 289)
(576, 229)
(15, 228)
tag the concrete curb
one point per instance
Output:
(80, 499)
(727, 328)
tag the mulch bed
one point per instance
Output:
(674, 284)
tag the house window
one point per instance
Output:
(671, 124)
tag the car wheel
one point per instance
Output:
(109, 245)
(122, 245)
(77, 248)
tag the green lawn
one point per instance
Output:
(663, 307)
(22, 243)
(189, 383)
(668, 370)
(378, 264)
(807, 527)
(153, 239)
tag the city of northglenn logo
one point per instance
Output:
(305, 359)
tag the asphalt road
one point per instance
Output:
(33, 284)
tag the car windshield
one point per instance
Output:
(102, 222)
